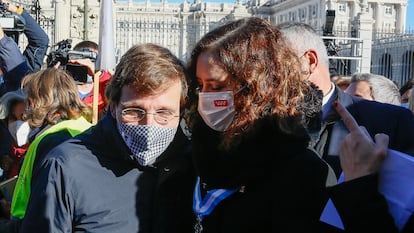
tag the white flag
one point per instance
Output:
(106, 57)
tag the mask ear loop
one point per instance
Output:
(241, 89)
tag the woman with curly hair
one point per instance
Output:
(250, 131)
(252, 113)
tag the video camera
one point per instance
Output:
(63, 54)
(11, 23)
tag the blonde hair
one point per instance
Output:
(49, 93)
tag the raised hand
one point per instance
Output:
(10, 7)
(359, 154)
(85, 62)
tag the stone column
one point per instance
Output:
(332, 4)
(401, 17)
(363, 25)
(62, 20)
(184, 48)
(354, 9)
(379, 14)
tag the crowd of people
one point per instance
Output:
(250, 135)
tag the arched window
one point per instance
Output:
(407, 66)
(385, 66)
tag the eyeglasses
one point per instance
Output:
(136, 114)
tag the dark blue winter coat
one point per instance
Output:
(90, 183)
(16, 65)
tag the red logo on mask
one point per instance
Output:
(221, 103)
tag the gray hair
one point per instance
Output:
(302, 38)
(382, 89)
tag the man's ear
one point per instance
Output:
(112, 109)
(313, 59)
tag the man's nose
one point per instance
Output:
(148, 119)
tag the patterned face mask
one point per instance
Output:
(146, 142)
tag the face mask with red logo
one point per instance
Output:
(216, 109)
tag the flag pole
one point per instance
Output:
(95, 103)
(106, 51)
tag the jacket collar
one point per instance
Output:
(343, 98)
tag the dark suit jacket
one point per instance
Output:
(395, 121)
(361, 207)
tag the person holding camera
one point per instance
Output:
(13, 63)
(82, 68)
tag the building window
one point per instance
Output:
(292, 16)
(302, 13)
(388, 27)
(342, 7)
(312, 11)
(388, 10)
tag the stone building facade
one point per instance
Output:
(393, 57)
(380, 23)
(177, 26)
(388, 16)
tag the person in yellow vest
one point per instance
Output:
(56, 113)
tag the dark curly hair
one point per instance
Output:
(256, 56)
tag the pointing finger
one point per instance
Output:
(347, 118)
(381, 141)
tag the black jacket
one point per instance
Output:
(283, 181)
(395, 121)
(361, 207)
(90, 183)
(284, 187)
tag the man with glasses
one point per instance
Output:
(396, 122)
(132, 171)
(361, 207)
